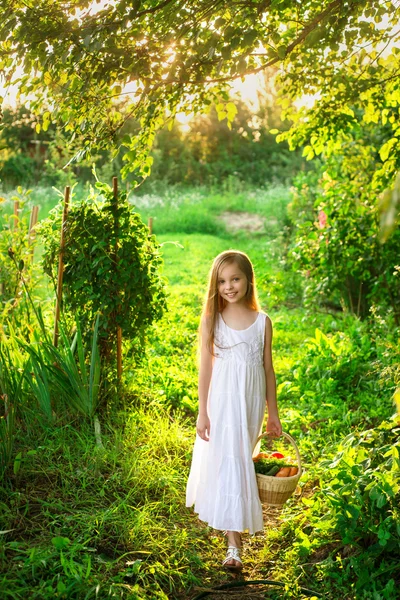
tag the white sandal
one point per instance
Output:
(233, 553)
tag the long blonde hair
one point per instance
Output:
(214, 303)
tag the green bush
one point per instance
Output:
(353, 522)
(18, 170)
(336, 244)
(111, 267)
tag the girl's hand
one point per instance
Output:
(274, 427)
(203, 427)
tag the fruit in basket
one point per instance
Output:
(293, 471)
(264, 455)
(277, 455)
(260, 456)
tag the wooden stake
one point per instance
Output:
(119, 330)
(61, 264)
(150, 225)
(32, 232)
(16, 214)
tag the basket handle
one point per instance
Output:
(289, 439)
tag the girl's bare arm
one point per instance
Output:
(273, 423)
(205, 372)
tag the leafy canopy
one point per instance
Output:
(77, 57)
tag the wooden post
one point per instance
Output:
(16, 214)
(32, 223)
(150, 225)
(119, 330)
(61, 264)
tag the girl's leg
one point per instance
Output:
(234, 539)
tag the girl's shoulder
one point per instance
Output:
(266, 319)
(264, 314)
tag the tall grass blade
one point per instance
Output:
(81, 353)
(11, 380)
(7, 434)
(40, 385)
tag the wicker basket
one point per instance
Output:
(274, 491)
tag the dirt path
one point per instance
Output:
(252, 546)
(242, 221)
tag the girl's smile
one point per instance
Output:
(232, 283)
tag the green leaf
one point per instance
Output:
(388, 147)
(231, 110)
(249, 37)
(17, 463)
(281, 51)
(60, 542)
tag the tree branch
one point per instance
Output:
(304, 33)
(150, 11)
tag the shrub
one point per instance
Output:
(354, 519)
(336, 243)
(18, 169)
(111, 267)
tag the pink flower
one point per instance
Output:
(322, 219)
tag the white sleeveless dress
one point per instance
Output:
(222, 483)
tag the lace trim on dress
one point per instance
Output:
(254, 354)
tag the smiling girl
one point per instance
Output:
(236, 384)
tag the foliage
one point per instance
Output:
(12, 371)
(116, 526)
(111, 267)
(332, 50)
(336, 221)
(18, 170)
(205, 151)
(10, 389)
(17, 243)
(352, 523)
(342, 381)
(210, 152)
(28, 156)
(18, 132)
(7, 433)
(44, 385)
(59, 373)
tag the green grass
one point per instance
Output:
(85, 517)
(197, 211)
(83, 521)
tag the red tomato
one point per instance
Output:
(277, 455)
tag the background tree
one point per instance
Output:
(204, 151)
(180, 55)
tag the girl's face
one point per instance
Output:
(232, 284)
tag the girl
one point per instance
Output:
(236, 381)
